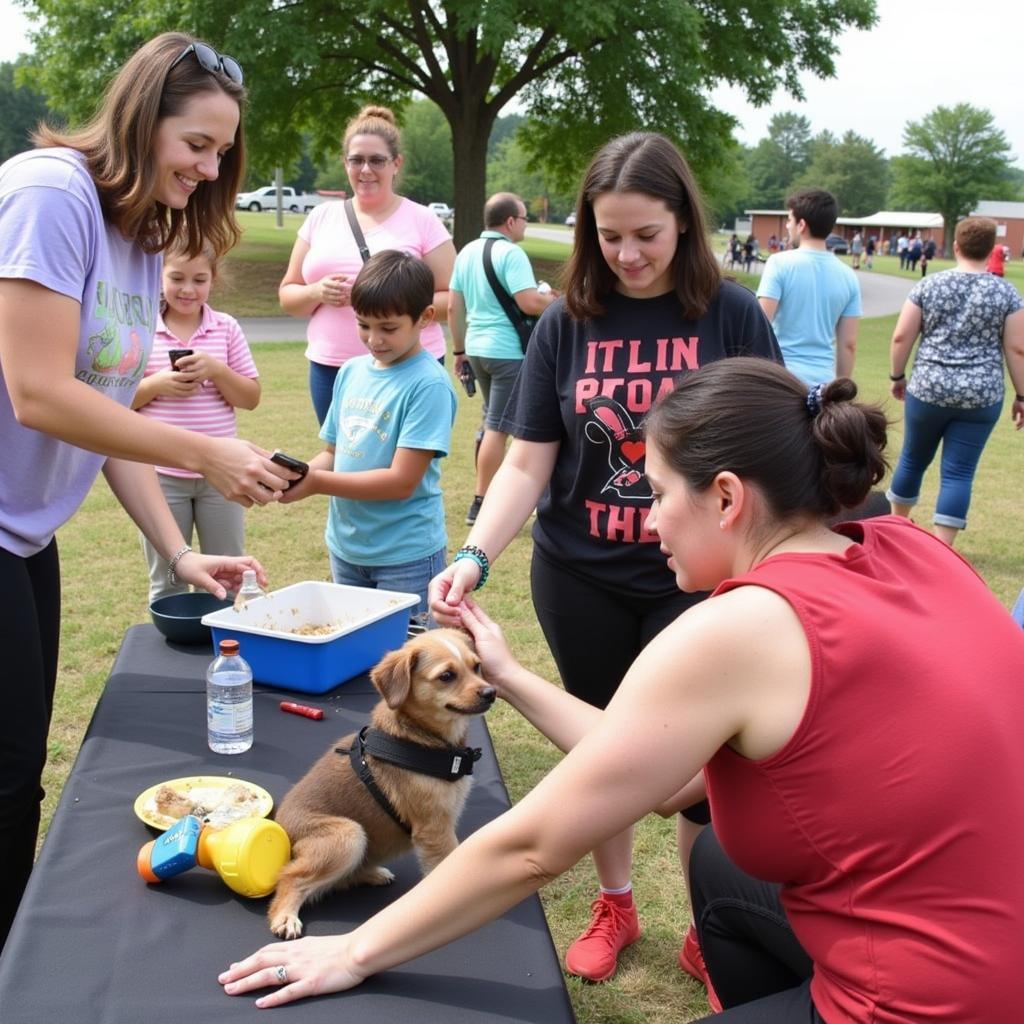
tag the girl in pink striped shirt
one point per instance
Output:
(199, 391)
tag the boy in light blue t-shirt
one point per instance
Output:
(388, 426)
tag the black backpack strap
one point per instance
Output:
(357, 231)
(357, 757)
(512, 311)
(447, 763)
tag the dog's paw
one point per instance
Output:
(286, 926)
(379, 876)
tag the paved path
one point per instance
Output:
(273, 328)
(883, 294)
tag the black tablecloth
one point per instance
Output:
(93, 942)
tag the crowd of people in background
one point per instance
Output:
(687, 449)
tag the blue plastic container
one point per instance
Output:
(355, 628)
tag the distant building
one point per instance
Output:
(1009, 218)
(764, 224)
(882, 225)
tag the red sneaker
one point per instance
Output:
(595, 954)
(691, 960)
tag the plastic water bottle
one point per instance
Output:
(248, 590)
(229, 701)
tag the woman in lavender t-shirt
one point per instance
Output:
(80, 245)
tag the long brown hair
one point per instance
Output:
(649, 163)
(118, 143)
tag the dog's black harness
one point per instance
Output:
(448, 763)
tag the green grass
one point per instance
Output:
(105, 584)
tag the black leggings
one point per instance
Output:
(29, 636)
(596, 632)
(758, 969)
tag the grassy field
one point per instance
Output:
(105, 585)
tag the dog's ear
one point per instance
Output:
(393, 676)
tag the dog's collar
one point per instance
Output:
(448, 763)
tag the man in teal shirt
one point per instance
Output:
(480, 328)
(811, 297)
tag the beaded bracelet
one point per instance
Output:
(478, 556)
(172, 576)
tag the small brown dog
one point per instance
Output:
(341, 830)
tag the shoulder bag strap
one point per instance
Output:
(512, 311)
(357, 231)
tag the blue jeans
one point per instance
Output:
(963, 433)
(321, 388)
(409, 578)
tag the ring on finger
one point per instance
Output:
(282, 974)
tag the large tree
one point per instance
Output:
(580, 70)
(853, 169)
(955, 156)
(778, 160)
(21, 109)
(511, 169)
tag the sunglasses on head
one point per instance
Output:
(212, 61)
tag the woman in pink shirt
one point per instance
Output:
(326, 256)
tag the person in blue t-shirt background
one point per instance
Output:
(388, 426)
(811, 298)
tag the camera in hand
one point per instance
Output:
(468, 378)
(175, 354)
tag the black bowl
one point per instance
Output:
(178, 616)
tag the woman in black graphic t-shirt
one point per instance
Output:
(644, 303)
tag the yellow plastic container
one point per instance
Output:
(248, 854)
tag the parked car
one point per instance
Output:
(571, 220)
(266, 199)
(837, 244)
(442, 210)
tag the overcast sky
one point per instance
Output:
(917, 57)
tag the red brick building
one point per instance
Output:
(883, 225)
(1009, 218)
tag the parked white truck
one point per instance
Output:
(266, 199)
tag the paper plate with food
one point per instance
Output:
(216, 799)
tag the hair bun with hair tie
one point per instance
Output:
(813, 399)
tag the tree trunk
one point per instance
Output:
(469, 148)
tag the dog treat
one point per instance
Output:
(313, 630)
(301, 709)
(218, 805)
(172, 804)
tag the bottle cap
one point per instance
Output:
(229, 647)
(248, 576)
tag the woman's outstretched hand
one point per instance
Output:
(305, 967)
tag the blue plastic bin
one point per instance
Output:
(365, 625)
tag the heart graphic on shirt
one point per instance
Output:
(633, 450)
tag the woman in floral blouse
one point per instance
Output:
(968, 321)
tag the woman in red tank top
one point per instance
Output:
(859, 737)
